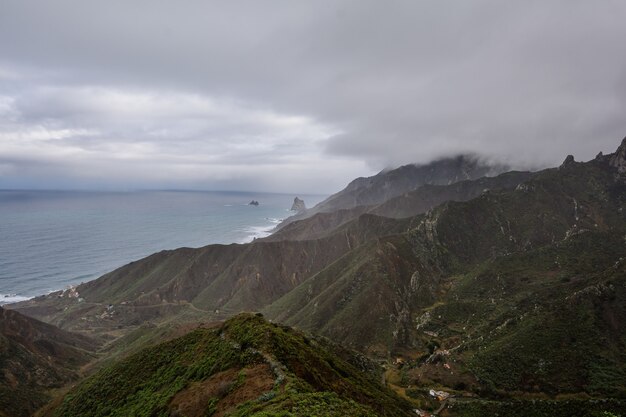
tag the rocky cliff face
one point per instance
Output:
(618, 159)
(298, 205)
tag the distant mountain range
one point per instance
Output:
(391, 183)
(496, 290)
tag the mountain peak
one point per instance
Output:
(618, 159)
(568, 160)
(298, 205)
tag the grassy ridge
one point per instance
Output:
(308, 378)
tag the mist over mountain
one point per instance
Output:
(299, 98)
(313, 208)
(491, 291)
(391, 183)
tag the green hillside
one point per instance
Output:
(245, 367)
(35, 358)
(513, 296)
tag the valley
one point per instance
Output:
(465, 295)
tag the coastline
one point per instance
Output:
(259, 232)
(253, 233)
(57, 239)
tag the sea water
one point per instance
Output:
(52, 239)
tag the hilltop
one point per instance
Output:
(244, 367)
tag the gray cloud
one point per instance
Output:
(295, 96)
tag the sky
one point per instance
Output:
(299, 96)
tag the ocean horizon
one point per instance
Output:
(50, 240)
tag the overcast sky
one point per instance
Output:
(295, 96)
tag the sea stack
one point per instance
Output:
(298, 205)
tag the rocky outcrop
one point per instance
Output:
(569, 160)
(298, 205)
(618, 159)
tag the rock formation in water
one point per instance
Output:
(298, 205)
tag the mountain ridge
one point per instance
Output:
(479, 291)
(244, 367)
(389, 183)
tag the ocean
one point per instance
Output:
(52, 239)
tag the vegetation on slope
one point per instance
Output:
(246, 367)
(388, 184)
(518, 293)
(34, 358)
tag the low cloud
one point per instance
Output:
(300, 96)
(138, 138)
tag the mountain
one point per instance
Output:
(36, 357)
(392, 183)
(244, 367)
(424, 198)
(215, 281)
(221, 280)
(519, 290)
(496, 290)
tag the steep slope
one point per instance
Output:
(246, 367)
(364, 299)
(34, 358)
(546, 324)
(212, 282)
(428, 196)
(406, 205)
(391, 183)
(221, 280)
(386, 292)
(523, 273)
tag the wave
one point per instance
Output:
(12, 298)
(256, 232)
